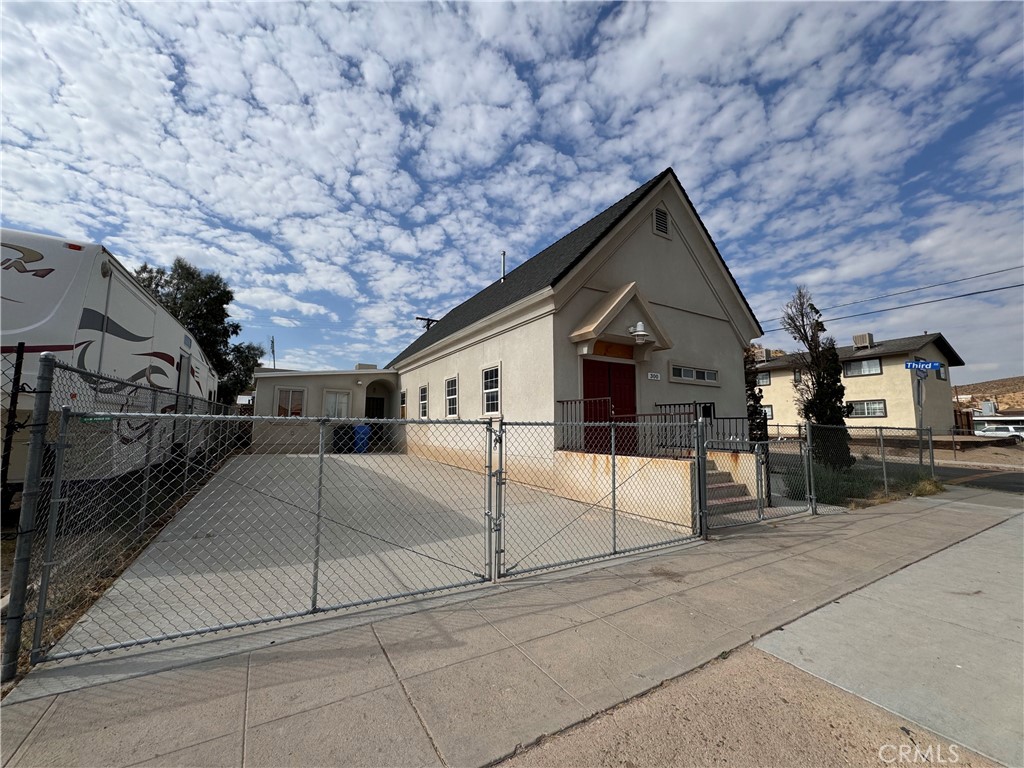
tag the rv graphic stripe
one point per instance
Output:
(93, 321)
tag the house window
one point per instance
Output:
(423, 401)
(492, 390)
(661, 222)
(686, 375)
(764, 378)
(797, 376)
(942, 374)
(335, 404)
(451, 397)
(864, 409)
(402, 408)
(871, 367)
(290, 402)
(769, 413)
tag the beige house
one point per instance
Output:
(878, 384)
(636, 307)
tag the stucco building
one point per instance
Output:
(878, 385)
(635, 306)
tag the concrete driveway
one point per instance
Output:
(258, 542)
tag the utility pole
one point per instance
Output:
(273, 353)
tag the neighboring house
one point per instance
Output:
(878, 385)
(636, 306)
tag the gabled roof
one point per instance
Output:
(546, 269)
(889, 348)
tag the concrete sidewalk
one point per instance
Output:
(939, 643)
(464, 679)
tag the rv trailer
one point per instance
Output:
(76, 300)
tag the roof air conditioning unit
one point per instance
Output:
(988, 408)
(761, 355)
(863, 340)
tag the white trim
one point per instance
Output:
(361, 372)
(448, 397)
(483, 392)
(421, 401)
(695, 381)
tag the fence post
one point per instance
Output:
(759, 475)
(615, 543)
(491, 572)
(881, 451)
(931, 451)
(56, 497)
(26, 521)
(12, 422)
(810, 469)
(702, 477)
(154, 424)
(319, 519)
(499, 503)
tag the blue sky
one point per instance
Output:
(347, 168)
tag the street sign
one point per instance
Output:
(922, 365)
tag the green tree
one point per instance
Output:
(200, 302)
(820, 392)
(757, 419)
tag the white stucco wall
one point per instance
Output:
(692, 299)
(373, 383)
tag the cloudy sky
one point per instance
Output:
(347, 168)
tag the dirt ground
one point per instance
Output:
(750, 709)
(1012, 455)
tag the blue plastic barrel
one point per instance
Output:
(362, 437)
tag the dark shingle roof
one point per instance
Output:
(888, 348)
(541, 271)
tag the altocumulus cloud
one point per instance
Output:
(347, 168)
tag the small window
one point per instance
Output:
(871, 367)
(661, 222)
(764, 378)
(797, 376)
(290, 402)
(769, 413)
(402, 407)
(492, 390)
(335, 404)
(864, 409)
(423, 401)
(451, 397)
(942, 374)
(685, 375)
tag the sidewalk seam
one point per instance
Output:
(245, 703)
(408, 698)
(27, 739)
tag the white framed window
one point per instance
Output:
(336, 403)
(290, 402)
(769, 412)
(869, 367)
(764, 378)
(424, 410)
(451, 397)
(685, 374)
(402, 406)
(491, 390)
(797, 376)
(866, 409)
(942, 374)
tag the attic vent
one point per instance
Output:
(863, 340)
(661, 221)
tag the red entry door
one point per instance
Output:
(617, 381)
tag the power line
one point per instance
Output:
(911, 290)
(915, 304)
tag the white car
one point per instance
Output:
(1001, 430)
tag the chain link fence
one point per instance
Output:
(14, 415)
(153, 516)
